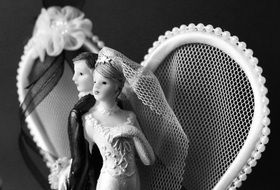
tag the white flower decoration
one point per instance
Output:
(103, 59)
(57, 29)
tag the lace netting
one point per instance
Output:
(214, 102)
(157, 121)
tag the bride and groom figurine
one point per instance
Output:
(106, 141)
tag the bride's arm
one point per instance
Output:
(132, 130)
(143, 147)
(144, 150)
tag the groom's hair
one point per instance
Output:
(90, 58)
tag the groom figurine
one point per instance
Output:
(85, 167)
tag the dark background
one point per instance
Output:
(131, 27)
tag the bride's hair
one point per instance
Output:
(111, 70)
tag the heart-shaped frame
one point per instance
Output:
(192, 59)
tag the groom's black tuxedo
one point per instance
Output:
(85, 168)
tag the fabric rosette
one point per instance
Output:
(59, 28)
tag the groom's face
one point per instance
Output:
(82, 76)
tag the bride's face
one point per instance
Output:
(104, 89)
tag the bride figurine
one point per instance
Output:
(115, 131)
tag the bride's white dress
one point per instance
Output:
(116, 145)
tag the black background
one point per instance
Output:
(131, 27)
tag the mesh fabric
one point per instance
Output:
(213, 100)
